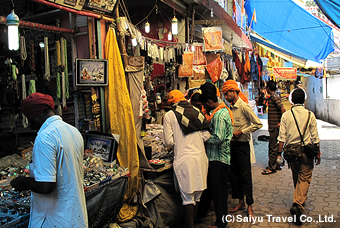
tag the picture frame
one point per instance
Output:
(105, 7)
(103, 145)
(91, 72)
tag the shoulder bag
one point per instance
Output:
(311, 150)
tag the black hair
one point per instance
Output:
(195, 97)
(298, 96)
(208, 92)
(271, 85)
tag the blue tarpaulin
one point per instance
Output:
(291, 27)
(331, 9)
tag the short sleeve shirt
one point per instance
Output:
(274, 110)
(58, 157)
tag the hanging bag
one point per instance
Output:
(311, 149)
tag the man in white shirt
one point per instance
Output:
(56, 170)
(302, 165)
(185, 129)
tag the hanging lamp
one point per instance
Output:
(174, 26)
(147, 27)
(169, 36)
(12, 22)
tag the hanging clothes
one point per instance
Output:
(246, 68)
(237, 62)
(254, 68)
(243, 74)
(119, 110)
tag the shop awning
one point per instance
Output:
(291, 27)
(273, 48)
(331, 9)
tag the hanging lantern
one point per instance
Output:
(169, 36)
(147, 27)
(12, 22)
(134, 41)
(174, 26)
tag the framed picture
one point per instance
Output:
(103, 145)
(105, 7)
(91, 72)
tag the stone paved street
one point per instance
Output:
(273, 194)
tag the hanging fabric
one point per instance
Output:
(31, 88)
(215, 69)
(117, 98)
(212, 39)
(63, 89)
(23, 89)
(199, 57)
(237, 62)
(186, 70)
(14, 71)
(246, 68)
(57, 47)
(135, 71)
(254, 68)
(47, 75)
(67, 86)
(23, 52)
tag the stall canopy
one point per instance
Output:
(289, 26)
(273, 48)
(331, 9)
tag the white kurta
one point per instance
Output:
(190, 159)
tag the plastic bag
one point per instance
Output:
(186, 70)
(212, 39)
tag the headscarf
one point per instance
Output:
(175, 96)
(232, 85)
(35, 104)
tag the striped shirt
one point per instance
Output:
(221, 130)
(274, 110)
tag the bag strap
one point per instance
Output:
(302, 141)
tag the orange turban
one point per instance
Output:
(230, 85)
(35, 104)
(233, 86)
(175, 96)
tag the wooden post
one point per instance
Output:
(122, 49)
(100, 25)
(193, 24)
(91, 38)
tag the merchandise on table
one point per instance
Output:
(154, 139)
(15, 205)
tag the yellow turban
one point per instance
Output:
(232, 85)
(175, 96)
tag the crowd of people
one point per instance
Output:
(212, 137)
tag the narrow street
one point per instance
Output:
(273, 194)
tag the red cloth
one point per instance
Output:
(158, 70)
(35, 104)
(215, 69)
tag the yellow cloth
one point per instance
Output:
(175, 96)
(232, 85)
(120, 121)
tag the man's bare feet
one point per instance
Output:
(239, 206)
(250, 213)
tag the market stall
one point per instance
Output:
(104, 186)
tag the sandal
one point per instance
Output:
(267, 172)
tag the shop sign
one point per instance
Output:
(287, 73)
